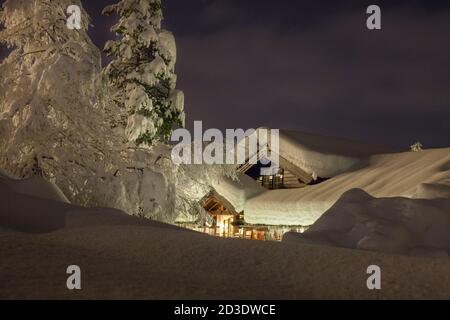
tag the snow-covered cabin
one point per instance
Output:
(306, 161)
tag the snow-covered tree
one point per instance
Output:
(143, 72)
(48, 91)
(47, 83)
(54, 124)
(51, 121)
(416, 147)
(39, 26)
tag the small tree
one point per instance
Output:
(416, 147)
(143, 72)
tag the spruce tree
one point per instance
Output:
(143, 72)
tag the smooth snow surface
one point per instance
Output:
(123, 257)
(395, 225)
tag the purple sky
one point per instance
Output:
(312, 66)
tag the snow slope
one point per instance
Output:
(411, 174)
(395, 225)
(123, 257)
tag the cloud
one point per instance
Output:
(311, 65)
(336, 78)
(219, 12)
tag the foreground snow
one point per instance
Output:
(411, 174)
(125, 257)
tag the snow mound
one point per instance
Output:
(440, 189)
(35, 187)
(393, 225)
(410, 174)
(35, 206)
(57, 119)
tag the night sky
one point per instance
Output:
(312, 66)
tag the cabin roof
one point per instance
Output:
(311, 155)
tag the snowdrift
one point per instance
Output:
(37, 206)
(124, 257)
(394, 225)
(34, 186)
(423, 174)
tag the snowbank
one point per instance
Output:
(394, 225)
(411, 174)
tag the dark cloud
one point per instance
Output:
(338, 78)
(312, 65)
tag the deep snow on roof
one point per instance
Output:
(317, 155)
(409, 174)
(320, 156)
